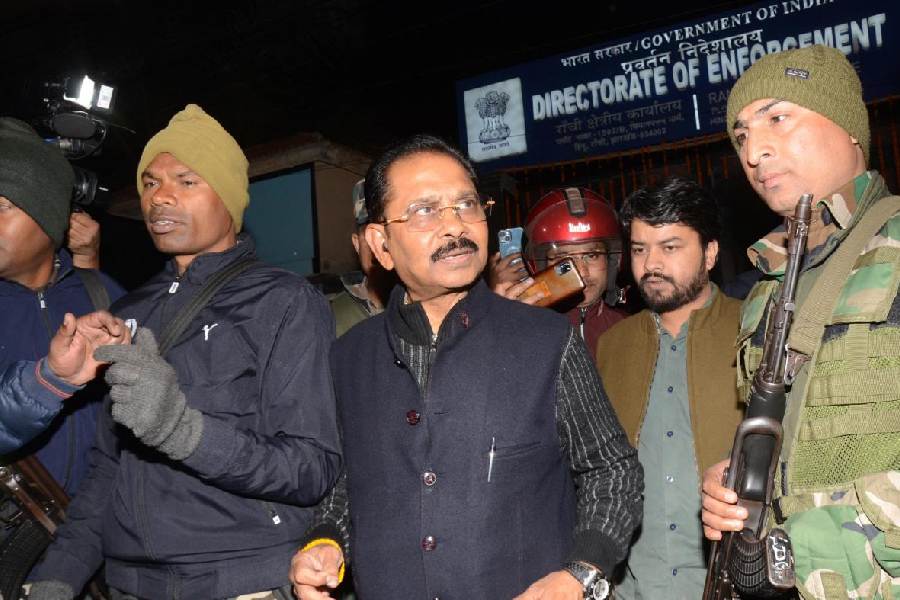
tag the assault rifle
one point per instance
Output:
(757, 562)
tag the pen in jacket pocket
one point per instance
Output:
(491, 459)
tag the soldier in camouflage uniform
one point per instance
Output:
(799, 124)
(366, 291)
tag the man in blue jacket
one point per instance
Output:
(209, 461)
(32, 392)
(39, 285)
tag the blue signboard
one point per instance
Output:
(663, 85)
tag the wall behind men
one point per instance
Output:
(333, 169)
(281, 219)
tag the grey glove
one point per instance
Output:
(146, 397)
(50, 590)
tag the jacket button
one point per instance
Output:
(429, 543)
(412, 417)
(398, 363)
(428, 478)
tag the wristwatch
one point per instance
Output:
(596, 586)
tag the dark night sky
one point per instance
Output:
(359, 71)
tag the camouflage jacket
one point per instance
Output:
(839, 477)
(351, 305)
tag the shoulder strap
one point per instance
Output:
(94, 287)
(177, 325)
(809, 324)
(809, 321)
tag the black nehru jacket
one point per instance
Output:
(419, 416)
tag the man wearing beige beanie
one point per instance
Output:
(799, 124)
(218, 439)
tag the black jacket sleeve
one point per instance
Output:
(77, 551)
(299, 461)
(608, 477)
(332, 518)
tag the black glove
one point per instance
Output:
(146, 397)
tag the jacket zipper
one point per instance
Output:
(271, 512)
(139, 500)
(70, 423)
(44, 318)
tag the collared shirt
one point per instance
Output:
(667, 560)
(355, 284)
(830, 215)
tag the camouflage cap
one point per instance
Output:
(360, 214)
(818, 77)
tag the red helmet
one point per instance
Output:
(572, 216)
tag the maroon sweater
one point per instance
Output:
(596, 319)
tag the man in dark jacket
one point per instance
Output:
(210, 456)
(39, 285)
(483, 458)
(32, 392)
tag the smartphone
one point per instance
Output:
(510, 241)
(558, 282)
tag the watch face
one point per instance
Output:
(600, 590)
(596, 587)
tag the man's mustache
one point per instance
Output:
(665, 278)
(452, 246)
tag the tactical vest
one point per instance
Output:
(838, 486)
(848, 422)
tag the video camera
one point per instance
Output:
(77, 110)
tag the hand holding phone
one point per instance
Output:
(507, 266)
(510, 241)
(557, 282)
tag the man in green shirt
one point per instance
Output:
(665, 370)
(366, 291)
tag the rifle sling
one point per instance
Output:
(810, 319)
(94, 287)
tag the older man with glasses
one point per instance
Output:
(482, 457)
